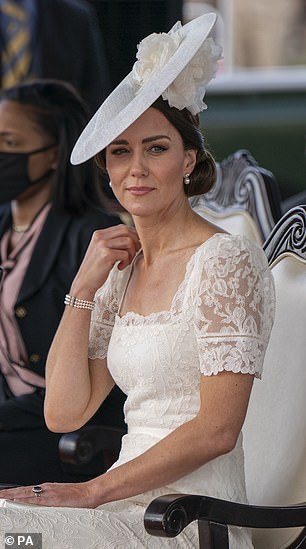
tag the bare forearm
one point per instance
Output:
(67, 371)
(184, 450)
(74, 385)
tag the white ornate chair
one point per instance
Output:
(274, 432)
(275, 426)
(244, 200)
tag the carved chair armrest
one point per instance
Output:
(168, 515)
(79, 447)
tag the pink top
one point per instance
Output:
(13, 356)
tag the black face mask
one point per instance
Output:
(14, 178)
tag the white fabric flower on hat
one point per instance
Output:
(153, 53)
(189, 87)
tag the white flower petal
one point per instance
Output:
(189, 87)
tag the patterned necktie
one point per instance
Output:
(16, 57)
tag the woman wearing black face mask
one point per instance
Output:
(14, 165)
(48, 212)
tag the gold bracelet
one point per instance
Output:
(78, 303)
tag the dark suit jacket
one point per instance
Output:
(69, 46)
(56, 257)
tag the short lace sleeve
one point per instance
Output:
(234, 306)
(107, 301)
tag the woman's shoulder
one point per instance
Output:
(225, 246)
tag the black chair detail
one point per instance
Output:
(80, 447)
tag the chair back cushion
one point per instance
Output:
(274, 432)
(232, 221)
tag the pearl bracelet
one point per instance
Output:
(78, 303)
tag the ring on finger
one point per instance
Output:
(37, 490)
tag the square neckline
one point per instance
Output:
(133, 314)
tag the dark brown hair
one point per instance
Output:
(204, 173)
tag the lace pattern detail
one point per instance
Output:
(227, 295)
(104, 313)
(234, 307)
(111, 526)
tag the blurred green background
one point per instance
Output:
(271, 125)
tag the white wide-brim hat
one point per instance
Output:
(130, 99)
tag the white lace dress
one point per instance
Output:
(220, 319)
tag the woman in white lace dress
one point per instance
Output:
(175, 311)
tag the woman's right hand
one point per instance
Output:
(107, 246)
(68, 368)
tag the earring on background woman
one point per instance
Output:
(186, 178)
(110, 183)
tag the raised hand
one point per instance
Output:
(107, 246)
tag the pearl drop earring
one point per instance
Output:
(187, 178)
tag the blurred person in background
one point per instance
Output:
(196, 8)
(53, 39)
(267, 34)
(48, 212)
